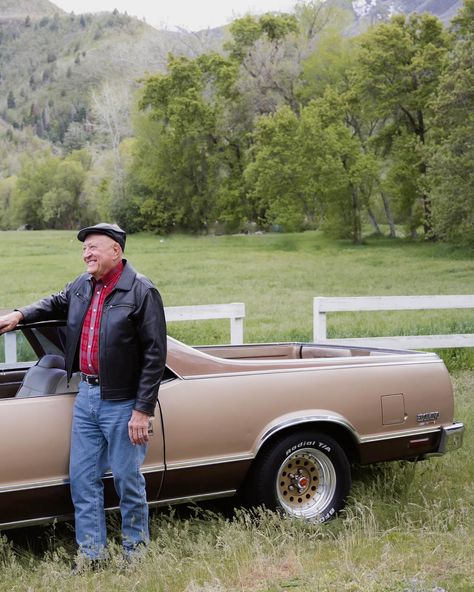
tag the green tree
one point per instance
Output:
(187, 141)
(33, 182)
(310, 171)
(333, 70)
(452, 160)
(399, 67)
(268, 59)
(49, 192)
(189, 173)
(196, 151)
(62, 207)
(7, 187)
(277, 178)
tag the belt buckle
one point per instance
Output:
(90, 379)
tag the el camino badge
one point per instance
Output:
(427, 417)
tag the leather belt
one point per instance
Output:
(90, 378)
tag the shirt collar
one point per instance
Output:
(110, 276)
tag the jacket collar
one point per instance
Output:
(126, 279)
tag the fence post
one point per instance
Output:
(237, 331)
(234, 311)
(319, 321)
(10, 347)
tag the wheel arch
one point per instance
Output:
(343, 432)
(330, 439)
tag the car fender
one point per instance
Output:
(303, 419)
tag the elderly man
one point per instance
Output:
(116, 338)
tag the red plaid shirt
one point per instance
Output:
(89, 352)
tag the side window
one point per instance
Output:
(15, 347)
(19, 353)
(28, 344)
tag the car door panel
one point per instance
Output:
(34, 444)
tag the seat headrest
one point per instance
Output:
(52, 361)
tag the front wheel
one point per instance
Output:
(306, 475)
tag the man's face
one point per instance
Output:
(101, 254)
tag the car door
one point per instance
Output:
(34, 445)
(34, 449)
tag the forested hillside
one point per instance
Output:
(284, 121)
(50, 64)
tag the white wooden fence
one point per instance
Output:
(10, 347)
(323, 305)
(234, 311)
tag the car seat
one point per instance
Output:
(44, 377)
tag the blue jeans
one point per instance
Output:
(100, 442)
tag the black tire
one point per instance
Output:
(305, 475)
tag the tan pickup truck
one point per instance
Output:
(280, 424)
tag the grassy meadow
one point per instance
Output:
(276, 276)
(408, 527)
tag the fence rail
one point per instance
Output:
(323, 305)
(234, 311)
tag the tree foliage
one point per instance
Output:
(197, 148)
(399, 68)
(452, 156)
(291, 125)
(49, 192)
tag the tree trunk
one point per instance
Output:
(356, 221)
(388, 214)
(373, 221)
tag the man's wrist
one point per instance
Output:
(143, 412)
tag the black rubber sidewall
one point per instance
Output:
(262, 489)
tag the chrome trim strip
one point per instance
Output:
(206, 462)
(33, 485)
(149, 469)
(59, 482)
(180, 500)
(194, 498)
(433, 429)
(309, 419)
(35, 521)
(307, 368)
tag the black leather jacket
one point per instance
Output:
(132, 336)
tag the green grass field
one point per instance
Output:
(407, 527)
(276, 276)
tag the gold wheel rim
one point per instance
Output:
(306, 483)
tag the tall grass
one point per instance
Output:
(408, 527)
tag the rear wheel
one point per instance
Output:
(306, 475)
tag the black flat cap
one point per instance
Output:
(112, 230)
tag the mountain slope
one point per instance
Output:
(50, 65)
(21, 9)
(376, 10)
(52, 62)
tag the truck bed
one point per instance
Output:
(289, 351)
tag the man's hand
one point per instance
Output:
(10, 321)
(138, 427)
